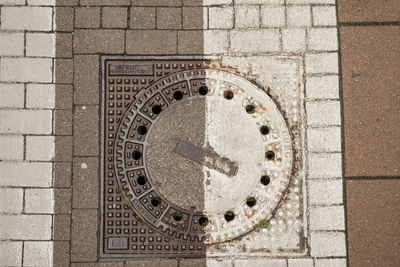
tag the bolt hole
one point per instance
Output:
(203, 221)
(156, 201)
(136, 155)
(229, 216)
(251, 202)
(203, 90)
(156, 109)
(228, 94)
(250, 109)
(141, 180)
(264, 130)
(265, 180)
(178, 95)
(177, 216)
(142, 130)
(270, 155)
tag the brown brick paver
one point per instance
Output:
(61, 256)
(115, 17)
(86, 127)
(152, 263)
(369, 10)
(64, 19)
(169, 18)
(99, 41)
(105, 2)
(371, 97)
(370, 62)
(151, 42)
(65, 69)
(87, 17)
(64, 96)
(63, 122)
(84, 236)
(62, 174)
(64, 45)
(63, 151)
(97, 264)
(192, 18)
(66, 2)
(85, 183)
(61, 227)
(157, 2)
(373, 222)
(62, 199)
(193, 263)
(143, 18)
(86, 79)
(190, 42)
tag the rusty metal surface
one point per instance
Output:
(286, 232)
(132, 209)
(168, 217)
(179, 175)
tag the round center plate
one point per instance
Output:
(203, 155)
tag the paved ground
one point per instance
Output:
(49, 116)
(369, 41)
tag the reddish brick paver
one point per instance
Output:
(373, 222)
(371, 97)
(371, 121)
(369, 11)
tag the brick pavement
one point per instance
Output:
(85, 30)
(49, 106)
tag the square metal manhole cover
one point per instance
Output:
(202, 157)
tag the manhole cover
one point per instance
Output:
(193, 156)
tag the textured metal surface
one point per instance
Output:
(285, 233)
(234, 131)
(193, 155)
(169, 218)
(129, 228)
